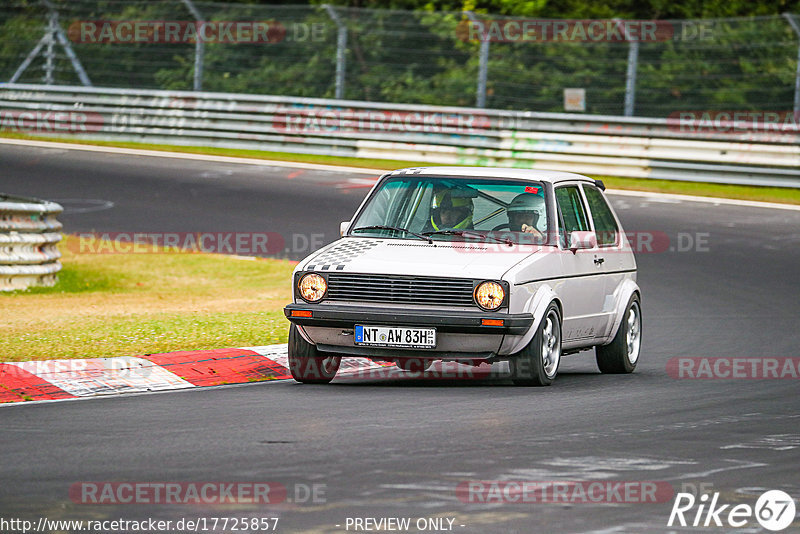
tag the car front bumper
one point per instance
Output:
(453, 322)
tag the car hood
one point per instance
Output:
(417, 258)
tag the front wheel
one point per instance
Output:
(307, 364)
(621, 355)
(537, 363)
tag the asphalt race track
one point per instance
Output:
(394, 446)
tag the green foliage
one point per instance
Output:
(424, 56)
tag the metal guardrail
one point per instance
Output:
(761, 154)
(29, 233)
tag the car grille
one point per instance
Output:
(400, 289)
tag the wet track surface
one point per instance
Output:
(393, 446)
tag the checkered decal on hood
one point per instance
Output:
(336, 258)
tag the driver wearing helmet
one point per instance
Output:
(449, 211)
(524, 213)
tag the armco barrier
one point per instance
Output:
(29, 233)
(765, 155)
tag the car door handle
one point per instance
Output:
(598, 261)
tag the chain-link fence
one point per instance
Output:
(641, 68)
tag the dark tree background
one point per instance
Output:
(414, 51)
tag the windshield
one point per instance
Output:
(455, 209)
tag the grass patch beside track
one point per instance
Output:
(785, 195)
(108, 305)
(742, 192)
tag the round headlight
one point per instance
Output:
(489, 295)
(312, 287)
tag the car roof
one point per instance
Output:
(493, 172)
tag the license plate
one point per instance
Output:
(395, 336)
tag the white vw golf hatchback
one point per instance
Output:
(470, 265)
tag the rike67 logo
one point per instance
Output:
(774, 510)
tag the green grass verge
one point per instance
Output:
(108, 305)
(764, 194)
(782, 195)
(146, 333)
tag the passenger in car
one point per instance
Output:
(525, 212)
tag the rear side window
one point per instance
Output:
(604, 224)
(570, 207)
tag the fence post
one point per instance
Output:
(796, 29)
(49, 49)
(630, 74)
(199, 46)
(630, 78)
(341, 48)
(483, 58)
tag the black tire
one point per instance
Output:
(622, 354)
(414, 365)
(307, 364)
(528, 366)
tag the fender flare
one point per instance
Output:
(537, 305)
(623, 294)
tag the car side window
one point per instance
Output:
(605, 226)
(571, 212)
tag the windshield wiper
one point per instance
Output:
(466, 233)
(396, 229)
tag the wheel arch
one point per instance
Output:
(625, 291)
(537, 305)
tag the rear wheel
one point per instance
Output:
(537, 363)
(307, 364)
(621, 355)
